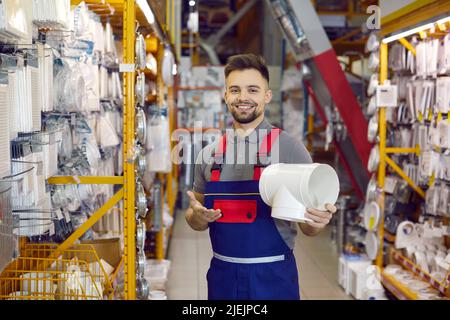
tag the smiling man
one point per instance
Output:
(252, 252)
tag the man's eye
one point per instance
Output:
(234, 91)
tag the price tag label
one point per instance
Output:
(420, 118)
(432, 180)
(372, 223)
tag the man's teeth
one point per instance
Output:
(244, 107)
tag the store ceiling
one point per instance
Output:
(342, 20)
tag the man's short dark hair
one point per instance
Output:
(247, 61)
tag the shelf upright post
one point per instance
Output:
(160, 99)
(382, 164)
(129, 17)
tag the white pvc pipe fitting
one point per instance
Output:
(292, 188)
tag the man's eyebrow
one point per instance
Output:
(250, 86)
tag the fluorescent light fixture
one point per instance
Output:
(415, 30)
(408, 33)
(192, 3)
(145, 8)
(444, 20)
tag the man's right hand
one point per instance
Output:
(200, 213)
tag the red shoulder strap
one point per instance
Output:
(264, 150)
(220, 153)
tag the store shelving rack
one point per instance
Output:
(123, 14)
(413, 14)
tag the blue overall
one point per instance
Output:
(251, 259)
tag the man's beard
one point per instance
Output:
(244, 118)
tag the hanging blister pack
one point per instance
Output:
(445, 167)
(411, 171)
(410, 100)
(446, 60)
(435, 163)
(411, 58)
(433, 136)
(443, 128)
(432, 200)
(444, 200)
(432, 57)
(421, 59)
(443, 94)
(405, 138)
(444, 55)
(425, 167)
(401, 83)
(397, 57)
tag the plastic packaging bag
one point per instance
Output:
(70, 91)
(158, 144)
(107, 133)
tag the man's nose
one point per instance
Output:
(243, 96)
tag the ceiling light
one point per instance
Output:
(416, 30)
(145, 8)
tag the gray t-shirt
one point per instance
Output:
(239, 161)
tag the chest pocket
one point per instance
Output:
(236, 211)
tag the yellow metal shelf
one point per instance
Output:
(396, 288)
(113, 11)
(85, 180)
(413, 14)
(123, 15)
(424, 276)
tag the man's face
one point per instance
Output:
(246, 95)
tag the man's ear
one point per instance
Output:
(268, 96)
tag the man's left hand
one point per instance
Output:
(320, 218)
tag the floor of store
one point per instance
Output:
(190, 254)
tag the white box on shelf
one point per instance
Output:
(358, 278)
(156, 273)
(387, 95)
(348, 278)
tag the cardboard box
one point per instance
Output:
(107, 249)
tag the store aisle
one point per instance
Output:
(190, 253)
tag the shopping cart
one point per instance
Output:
(43, 272)
(7, 238)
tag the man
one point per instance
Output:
(253, 256)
